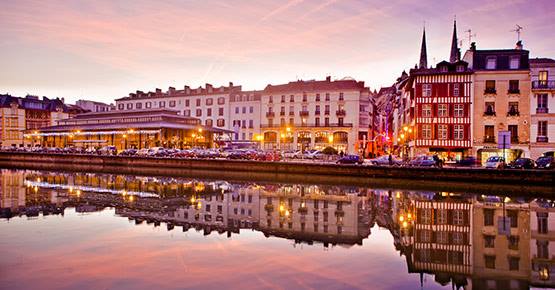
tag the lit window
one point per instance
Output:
(426, 90)
(491, 62)
(514, 62)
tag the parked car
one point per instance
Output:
(289, 154)
(423, 161)
(545, 162)
(142, 152)
(522, 163)
(128, 152)
(313, 154)
(384, 160)
(349, 159)
(468, 161)
(495, 162)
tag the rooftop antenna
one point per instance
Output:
(518, 29)
(470, 35)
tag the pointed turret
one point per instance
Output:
(454, 56)
(423, 53)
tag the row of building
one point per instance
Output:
(465, 107)
(470, 241)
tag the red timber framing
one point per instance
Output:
(443, 116)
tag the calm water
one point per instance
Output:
(99, 231)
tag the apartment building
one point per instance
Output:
(501, 82)
(542, 98)
(245, 115)
(304, 115)
(94, 106)
(30, 113)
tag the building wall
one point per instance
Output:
(501, 120)
(13, 125)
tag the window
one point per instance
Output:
(172, 104)
(251, 124)
(490, 109)
(514, 62)
(542, 222)
(426, 131)
(458, 217)
(514, 87)
(326, 121)
(542, 249)
(542, 128)
(209, 112)
(458, 132)
(121, 106)
(220, 111)
(460, 68)
(514, 133)
(513, 109)
(542, 103)
(198, 102)
(491, 62)
(209, 122)
(129, 106)
(291, 98)
(458, 110)
(187, 113)
(513, 242)
(327, 109)
(490, 87)
(442, 110)
(442, 131)
(489, 241)
(442, 216)
(243, 125)
(317, 97)
(251, 109)
(187, 103)
(443, 68)
(221, 100)
(139, 105)
(442, 237)
(283, 98)
(199, 112)
(489, 135)
(237, 110)
(458, 238)
(426, 216)
(305, 98)
(488, 217)
(148, 105)
(426, 110)
(244, 110)
(489, 261)
(426, 236)
(327, 96)
(513, 263)
(317, 122)
(317, 112)
(426, 90)
(220, 122)
(291, 110)
(456, 90)
(209, 101)
(513, 216)
(291, 121)
(341, 97)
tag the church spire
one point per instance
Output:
(454, 56)
(423, 53)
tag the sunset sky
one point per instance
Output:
(103, 50)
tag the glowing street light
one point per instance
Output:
(405, 128)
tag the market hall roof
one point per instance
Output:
(118, 120)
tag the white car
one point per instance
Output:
(495, 162)
(313, 154)
(142, 152)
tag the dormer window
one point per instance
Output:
(491, 62)
(514, 62)
(460, 68)
(443, 69)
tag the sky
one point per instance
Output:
(105, 49)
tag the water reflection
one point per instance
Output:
(462, 240)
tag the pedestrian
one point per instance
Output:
(390, 159)
(341, 154)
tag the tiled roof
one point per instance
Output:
(313, 86)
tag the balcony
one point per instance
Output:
(282, 113)
(303, 113)
(326, 112)
(270, 114)
(542, 139)
(307, 125)
(489, 139)
(291, 113)
(513, 113)
(340, 113)
(542, 110)
(490, 91)
(317, 113)
(489, 113)
(543, 85)
(513, 91)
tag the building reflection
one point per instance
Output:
(463, 240)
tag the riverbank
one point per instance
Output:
(448, 179)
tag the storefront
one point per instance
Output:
(510, 154)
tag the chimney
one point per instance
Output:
(140, 93)
(132, 95)
(171, 90)
(230, 85)
(208, 88)
(519, 45)
(328, 79)
(187, 90)
(473, 46)
(158, 91)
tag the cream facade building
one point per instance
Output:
(542, 106)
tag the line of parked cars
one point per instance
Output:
(543, 162)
